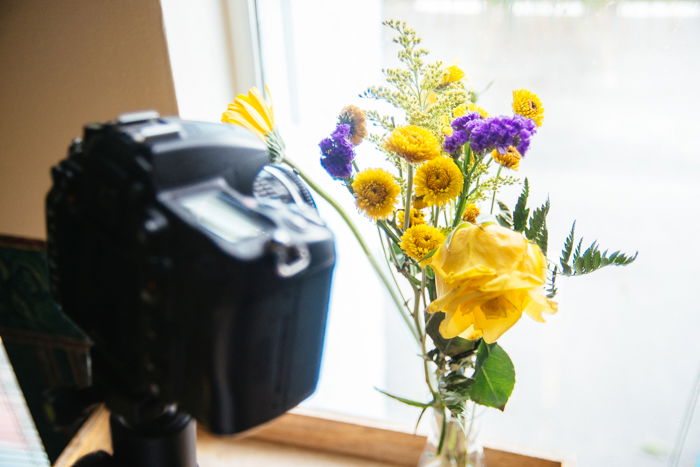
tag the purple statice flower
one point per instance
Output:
(338, 152)
(501, 132)
(462, 129)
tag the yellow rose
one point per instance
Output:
(486, 277)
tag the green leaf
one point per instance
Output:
(420, 417)
(543, 238)
(521, 212)
(450, 347)
(567, 250)
(577, 251)
(406, 401)
(454, 390)
(551, 288)
(429, 255)
(504, 217)
(537, 221)
(591, 259)
(494, 376)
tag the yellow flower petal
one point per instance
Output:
(486, 277)
(528, 105)
(413, 143)
(252, 112)
(438, 181)
(420, 240)
(253, 115)
(236, 119)
(376, 193)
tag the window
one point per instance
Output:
(608, 379)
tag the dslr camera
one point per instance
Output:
(200, 271)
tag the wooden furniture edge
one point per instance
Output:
(339, 434)
(317, 431)
(92, 436)
(23, 243)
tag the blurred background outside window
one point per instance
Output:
(605, 382)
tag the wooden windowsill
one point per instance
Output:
(301, 438)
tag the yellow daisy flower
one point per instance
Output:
(528, 105)
(355, 117)
(438, 181)
(376, 193)
(420, 240)
(413, 143)
(417, 218)
(471, 212)
(511, 159)
(251, 111)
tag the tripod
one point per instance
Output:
(166, 440)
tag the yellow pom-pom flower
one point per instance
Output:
(445, 126)
(438, 181)
(471, 212)
(472, 107)
(417, 218)
(486, 277)
(355, 117)
(413, 143)
(511, 159)
(528, 105)
(453, 74)
(419, 203)
(251, 111)
(420, 240)
(376, 193)
(462, 109)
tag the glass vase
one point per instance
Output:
(452, 440)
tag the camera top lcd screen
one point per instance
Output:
(217, 213)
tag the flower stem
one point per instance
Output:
(409, 194)
(495, 187)
(365, 248)
(467, 171)
(418, 292)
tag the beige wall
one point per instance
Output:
(62, 64)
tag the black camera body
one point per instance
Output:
(201, 272)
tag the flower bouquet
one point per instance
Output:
(472, 263)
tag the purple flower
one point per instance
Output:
(463, 127)
(338, 153)
(487, 134)
(501, 132)
(465, 122)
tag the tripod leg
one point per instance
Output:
(167, 441)
(96, 459)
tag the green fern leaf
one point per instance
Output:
(521, 212)
(551, 287)
(537, 221)
(593, 259)
(567, 250)
(543, 238)
(577, 251)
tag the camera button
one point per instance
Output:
(296, 223)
